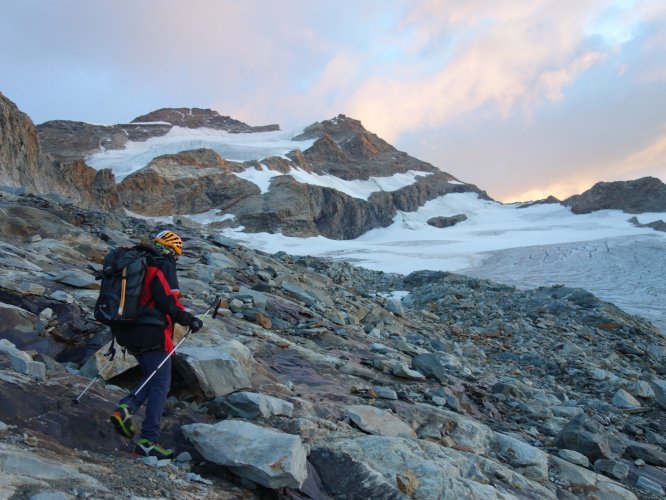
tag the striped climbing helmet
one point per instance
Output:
(171, 240)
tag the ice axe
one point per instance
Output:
(214, 308)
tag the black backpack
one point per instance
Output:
(122, 275)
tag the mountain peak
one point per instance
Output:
(201, 118)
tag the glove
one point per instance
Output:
(195, 324)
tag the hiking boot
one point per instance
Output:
(122, 421)
(146, 448)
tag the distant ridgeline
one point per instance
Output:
(334, 178)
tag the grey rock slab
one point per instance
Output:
(194, 286)
(403, 371)
(521, 455)
(267, 457)
(385, 392)
(15, 461)
(659, 388)
(22, 362)
(61, 296)
(623, 400)
(99, 364)
(252, 405)
(223, 241)
(77, 279)
(299, 293)
(16, 319)
(377, 421)
(438, 366)
(612, 468)
(648, 485)
(574, 457)
(219, 370)
(33, 369)
(578, 478)
(64, 250)
(566, 411)
(641, 389)
(650, 453)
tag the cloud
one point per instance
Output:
(551, 83)
(650, 157)
(507, 57)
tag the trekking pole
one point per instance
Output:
(111, 352)
(214, 307)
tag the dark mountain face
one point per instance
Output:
(647, 194)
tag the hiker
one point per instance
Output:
(150, 339)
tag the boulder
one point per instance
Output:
(99, 364)
(216, 371)
(623, 400)
(267, 457)
(442, 222)
(612, 468)
(649, 453)
(22, 362)
(525, 458)
(16, 320)
(250, 405)
(584, 435)
(77, 278)
(438, 366)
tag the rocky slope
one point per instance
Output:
(317, 381)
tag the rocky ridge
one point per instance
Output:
(72, 140)
(319, 381)
(647, 194)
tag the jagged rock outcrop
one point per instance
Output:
(647, 194)
(185, 183)
(344, 148)
(20, 150)
(25, 166)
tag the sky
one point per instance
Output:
(522, 98)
